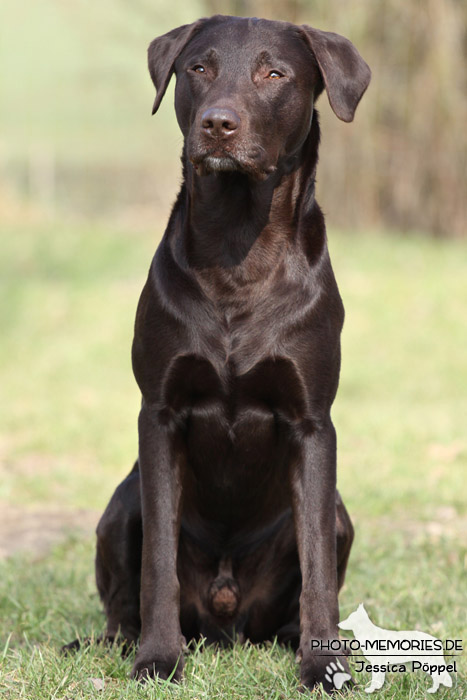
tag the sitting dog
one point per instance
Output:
(229, 524)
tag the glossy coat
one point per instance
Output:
(230, 524)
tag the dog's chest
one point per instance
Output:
(246, 326)
(230, 401)
(235, 427)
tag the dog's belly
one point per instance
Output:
(236, 467)
(238, 561)
(244, 587)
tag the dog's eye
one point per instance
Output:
(199, 68)
(274, 74)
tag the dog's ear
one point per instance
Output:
(162, 53)
(345, 74)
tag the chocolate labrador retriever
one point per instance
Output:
(230, 525)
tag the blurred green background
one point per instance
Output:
(87, 179)
(75, 96)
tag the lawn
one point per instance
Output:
(68, 436)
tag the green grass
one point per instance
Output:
(402, 401)
(405, 582)
(67, 301)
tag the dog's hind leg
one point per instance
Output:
(344, 538)
(118, 560)
(118, 565)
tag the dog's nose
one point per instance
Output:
(220, 122)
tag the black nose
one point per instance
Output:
(220, 122)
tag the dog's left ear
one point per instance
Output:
(162, 54)
(345, 74)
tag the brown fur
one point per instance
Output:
(230, 523)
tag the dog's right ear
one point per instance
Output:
(162, 53)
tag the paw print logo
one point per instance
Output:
(337, 675)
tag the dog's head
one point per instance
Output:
(246, 88)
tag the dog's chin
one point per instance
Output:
(216, 164)
(219, 164)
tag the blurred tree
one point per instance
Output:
(277, 9)
(75, 131)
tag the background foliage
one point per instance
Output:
(76, 132)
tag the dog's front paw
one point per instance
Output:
(332, 673)
(168, 667)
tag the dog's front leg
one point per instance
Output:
(160, 650)
(313, 481)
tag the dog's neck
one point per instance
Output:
(240, 226)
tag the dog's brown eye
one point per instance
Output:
(199, 68)
(275, 74)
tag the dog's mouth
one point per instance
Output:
(218, 160)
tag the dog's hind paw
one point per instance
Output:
(73, 646)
